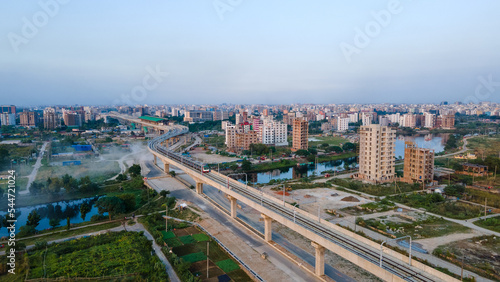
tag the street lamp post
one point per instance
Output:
(395, 239)
(246, 178)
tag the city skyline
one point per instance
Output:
(63, 52)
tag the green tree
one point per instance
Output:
(172, 173)
(54, 222)
(335, 149)
(69, 183)
(164, 193)
(33, 219)
(129, 201)
(302, 152)
(135, 170)
(36, 188)
(111, 205)
(312, 151)
(4, 155)
(84, 209)
(454, 190)
(259, 149)
(451, 143)
(121, 177)
(86, 185)
(246, 165)
(68, 223)
(348, 146)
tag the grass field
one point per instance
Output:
(492, 223)
(111, 254)
(484, 145)
(376, 189)
(421, 228)
(97, 171)
(330, 140)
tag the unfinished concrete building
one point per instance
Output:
(418, 164)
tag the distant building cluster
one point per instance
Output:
(249, 130)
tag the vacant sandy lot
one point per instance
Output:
(212, 158)
(326, 198)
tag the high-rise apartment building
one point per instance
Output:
(9, 109)
(418, 164)
(430, 120)
(198, 116)
(448, 122)
(7, 119)
(239, 119)
(367, 118)
(220, 115)
(376, 153)
(72, 118)
(273, 133)
(175, 112)
(50, 119)
(300, 134)
(343, 124)
(408, 120)
(383, 121)
(28, 119)
(244, 140)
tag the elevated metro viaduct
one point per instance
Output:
(323, 234)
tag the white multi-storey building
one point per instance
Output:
(343, 124)
(366, 118)
(273, 133)
(354, 117)
(430, 120)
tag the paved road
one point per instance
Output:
(32, 175)
(278, 259)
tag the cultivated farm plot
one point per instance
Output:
(190, 244)
(112, 256)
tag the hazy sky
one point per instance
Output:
(242, 51)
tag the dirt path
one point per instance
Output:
(38, 164)
(430, 244)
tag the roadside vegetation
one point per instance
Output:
(376, 189)
(417, 227)
(369, 208)
(436, 203)
(492, 223)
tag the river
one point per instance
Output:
(60, 210)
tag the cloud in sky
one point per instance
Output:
(260, 52)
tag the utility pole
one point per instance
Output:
(485, 201)
(284, 194)
(208, 252)
(462, 271)
(319, 212)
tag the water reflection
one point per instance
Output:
(300, 171)
(56, 210)
(429, 141)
